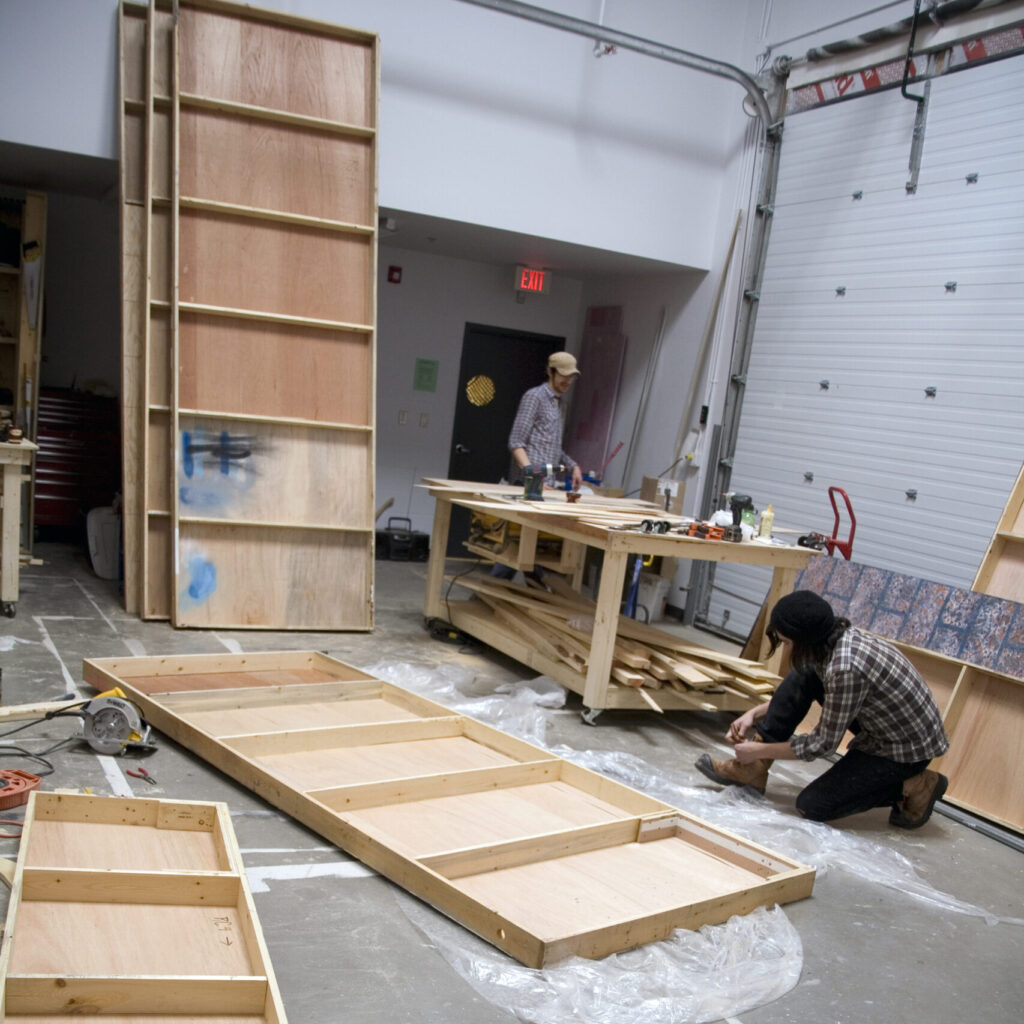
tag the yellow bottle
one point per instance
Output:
(767, 518)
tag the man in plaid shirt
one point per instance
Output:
(536, 435)
(865, 686)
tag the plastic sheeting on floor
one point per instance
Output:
(715, 973)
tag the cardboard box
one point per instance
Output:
(653, 489)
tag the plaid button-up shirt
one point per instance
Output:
(538, 428)
(871, 681)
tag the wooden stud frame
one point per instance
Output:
(1001, 572)
(126, 909)
(536, 855)
(249, 339)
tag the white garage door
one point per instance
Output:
(888, 353)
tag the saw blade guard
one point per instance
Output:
(108, 723)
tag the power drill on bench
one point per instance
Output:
(534, 476)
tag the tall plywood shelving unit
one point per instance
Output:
(249, 275)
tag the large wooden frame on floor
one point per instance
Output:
(536, 855)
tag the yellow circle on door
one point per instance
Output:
(480, 390)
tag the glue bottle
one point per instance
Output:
(767, 518)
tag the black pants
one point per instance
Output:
(857, 782)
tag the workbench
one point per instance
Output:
(13, 458)
(609, 525)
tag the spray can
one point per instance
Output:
(767, 519)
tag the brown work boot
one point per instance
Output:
(920, 794)
(732, 773)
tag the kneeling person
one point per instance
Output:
(865, 686)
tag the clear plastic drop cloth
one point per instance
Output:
(711, 974)
(706, 975)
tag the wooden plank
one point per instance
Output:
(470, 821)
(85, 865)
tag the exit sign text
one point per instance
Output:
(530, 280)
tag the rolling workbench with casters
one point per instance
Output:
(599, 524)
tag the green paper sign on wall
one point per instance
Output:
(425, 376)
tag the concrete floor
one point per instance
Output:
(343, 948)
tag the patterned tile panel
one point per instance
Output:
(976, 628)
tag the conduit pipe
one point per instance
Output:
(659, 51)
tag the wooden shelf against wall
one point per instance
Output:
(1001, 573)
(982, 713)
(250, 203)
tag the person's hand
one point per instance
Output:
(577, 478)
(748, 751)
(740, 727)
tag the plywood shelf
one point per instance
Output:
(268, 317)
(357, 428)
(273, 524)
(269, 114)
(279, 216)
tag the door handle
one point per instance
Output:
(461, 449)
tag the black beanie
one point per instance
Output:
(803, 617)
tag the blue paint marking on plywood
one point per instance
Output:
(202, 578)
(230, 460)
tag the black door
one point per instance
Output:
(497, 366)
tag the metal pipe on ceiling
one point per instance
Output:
(659, 51)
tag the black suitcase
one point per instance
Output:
(399, 544)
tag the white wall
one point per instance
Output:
(424, 317)
(58, 75)
(485, 118)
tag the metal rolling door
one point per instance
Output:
(887, 356)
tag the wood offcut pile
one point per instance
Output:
(559, 622)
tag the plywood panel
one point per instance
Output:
(987, 749)
(273, 370)
(158, 495)
(134, 76)
(267, 472)
(133, 156)
(157, 576)
(279, 66)
(273, 718)
(159, 364)
(281, 269)
(252, 577)
(466, 817)
(282, 167)
(426, 827)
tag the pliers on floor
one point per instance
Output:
(142, 774)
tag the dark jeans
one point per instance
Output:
(857, 782)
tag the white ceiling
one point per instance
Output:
(458, 240)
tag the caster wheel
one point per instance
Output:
(8, 609)
(589, 715)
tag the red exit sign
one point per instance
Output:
(530, 280)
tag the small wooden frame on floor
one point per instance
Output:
(132, 910)
(538, 856)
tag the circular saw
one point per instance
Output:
(111, 724)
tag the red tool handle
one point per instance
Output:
(845, 547)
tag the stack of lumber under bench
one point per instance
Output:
(559, 621)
